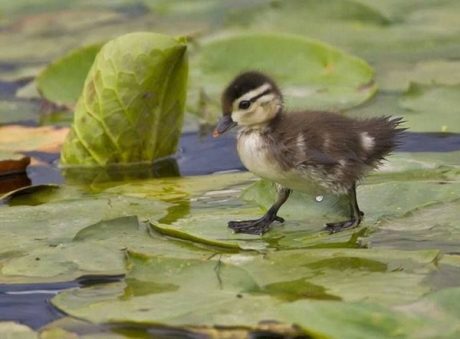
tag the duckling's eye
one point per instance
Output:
(244, 104)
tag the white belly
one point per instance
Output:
(256, 157)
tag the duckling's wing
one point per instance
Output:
(317, 157)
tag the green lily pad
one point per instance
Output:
(62, 81)
(312, 74)
(381, 32)
(349, 274)
(131, 108)
(378, 201)
(440, 72)
(162, 290)
(431, 227)
(10, 329)
(58, 223)
(436, 315)
(433, 108)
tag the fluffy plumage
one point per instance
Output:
(302, 150)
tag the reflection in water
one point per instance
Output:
(117, 173)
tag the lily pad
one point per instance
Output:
(433, 108)
(440, 72)
(58, 223)
(252, 284)
(435, 315)
(10, 329)
(431, 227)
(62, 81)
(378, 201)
(131, 108)
(311, 73)
(380, 32)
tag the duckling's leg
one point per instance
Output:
(356, 215)
(262, 225)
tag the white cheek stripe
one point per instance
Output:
(265, 98)
(255, 92)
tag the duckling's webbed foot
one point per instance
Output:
(257, 226)
(356, 215)
(262, 225)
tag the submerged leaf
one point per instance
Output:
(131, 108)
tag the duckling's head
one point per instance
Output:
(252, 99)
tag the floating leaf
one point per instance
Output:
(378, 31)
(131, 108)
(312, 74)
(436, 315)
(440, 72)
(10, 329)
(62, 81)
(431, 227)
(58, 254)
(162, 290)
(433, 108)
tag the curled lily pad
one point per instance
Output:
(131, 108)
(62, 81)
(312, 74)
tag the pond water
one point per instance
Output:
(409, 49)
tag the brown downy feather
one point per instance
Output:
(387, 134)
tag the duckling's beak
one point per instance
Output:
(225, 123)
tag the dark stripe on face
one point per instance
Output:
(268, 91)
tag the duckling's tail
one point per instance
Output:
(380, 136)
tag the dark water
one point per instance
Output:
(197, 155)
(29, 303)
(200, 155)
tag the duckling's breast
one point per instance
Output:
(254, 151)
(257, 155)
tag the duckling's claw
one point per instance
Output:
(335, 227)
(258, 226)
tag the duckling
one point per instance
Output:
(303, 150)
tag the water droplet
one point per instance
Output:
(319, 198)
